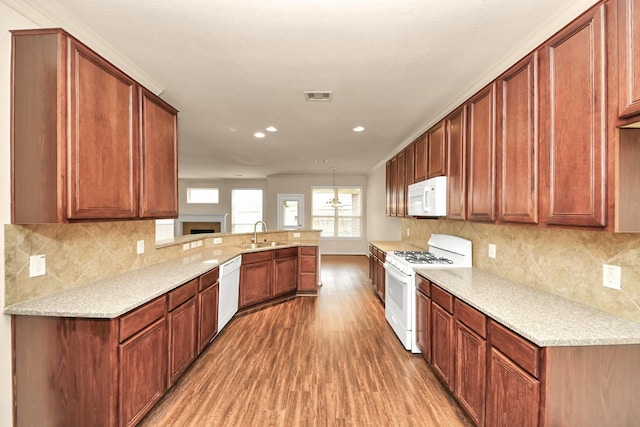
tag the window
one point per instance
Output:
(246, 209)
(342, 221)
(202, 195)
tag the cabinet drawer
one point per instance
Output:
(142, 317)
(182, 294)
(286, 253)
(423, 285)
(308, 250)
(443, 298)
(521, 351)
(251, 257)
(471, 317)
(208, 279)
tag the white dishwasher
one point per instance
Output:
(229, 290)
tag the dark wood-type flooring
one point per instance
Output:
(330, 360)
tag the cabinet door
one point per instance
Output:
(103, 140)
(629, 57)
(513, 395)
(471, 372)
(481, 157)
(456, 132)
(573, 122)
(143, 372)
(285, 278)
(420, 158)
(409, 164)
(159, 158)
(182, 338)
(436, 151)
(517, 134)
(381, 280)
(207, 315)
(441, 343)
(393, 186)
(401, 185)
(255, 283)
(388, 189)
(423, 317)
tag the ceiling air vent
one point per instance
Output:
(318, 95)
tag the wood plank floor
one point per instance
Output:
(330, 360)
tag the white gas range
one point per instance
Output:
(445, 251)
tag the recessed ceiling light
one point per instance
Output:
(271, 129)
(321, 161)
(259, 135)
(358, 129)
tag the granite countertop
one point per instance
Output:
(112, 297)
(543, 318)
(393, 245)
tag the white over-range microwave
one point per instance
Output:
(429, 197)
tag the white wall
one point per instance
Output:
(9, 20)
(301, 184)
(380, 226)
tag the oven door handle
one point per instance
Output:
(395, 273)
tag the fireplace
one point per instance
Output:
(200, 227)
(201, 223)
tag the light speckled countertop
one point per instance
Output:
(543, 318)
(110, 298)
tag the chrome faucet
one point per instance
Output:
(255, 228)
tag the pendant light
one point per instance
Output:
(334, 202)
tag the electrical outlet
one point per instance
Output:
(217, 240)
(296, 234)
(140, 247)
(611, 276)
(492, 250)
(37, 265)
(408, 232)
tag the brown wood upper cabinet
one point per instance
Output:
(629, 58)
(481, 155)
(517, 135)
(420, 169)
(69, 163)
(456, 134)
(436, 151)
(573, 137)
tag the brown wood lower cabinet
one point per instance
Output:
(256, 278)
(208, 307)
(285, 271)
(502, 380)
(183, 333)
(308, 269)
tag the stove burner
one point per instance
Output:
(422, 257)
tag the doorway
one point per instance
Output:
(290, 211)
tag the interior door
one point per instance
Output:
(290, 211)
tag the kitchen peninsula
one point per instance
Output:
(115, 346)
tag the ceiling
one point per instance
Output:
(235, 67)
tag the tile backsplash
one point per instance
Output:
(76, 254)
(564, 262)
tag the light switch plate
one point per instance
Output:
(217, 240)
(492, 250)
(185, 247)
(199, 243)
(140, 247)
(296, 234)
(194, 245)
(37, 265)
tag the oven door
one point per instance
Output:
(398, 292)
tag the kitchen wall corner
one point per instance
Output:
(563, 262)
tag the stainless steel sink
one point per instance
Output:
(261, 245)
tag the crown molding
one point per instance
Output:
(48, 13)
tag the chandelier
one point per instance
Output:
(334, 202)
